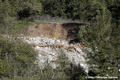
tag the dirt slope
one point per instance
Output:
(65, 31)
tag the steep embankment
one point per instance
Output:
(65, 31)
(50, 38)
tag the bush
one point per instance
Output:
(16, 58)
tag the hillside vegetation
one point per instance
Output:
(102, 36)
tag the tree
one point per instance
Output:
(115, 39)
(97, 35)
(5, 15)
(72, 9)
(16, 58)
(11, 10)
(27, 8)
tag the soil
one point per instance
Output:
(65, 31)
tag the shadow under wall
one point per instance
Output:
(72, 31)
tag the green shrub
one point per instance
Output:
(16, 58)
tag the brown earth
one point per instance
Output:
(65, 31)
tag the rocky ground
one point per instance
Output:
(49, 50)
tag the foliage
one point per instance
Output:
(13, 10)
(102, 35)
(24, 9)
(5, 19)
(16, 58)
(19, 27)
(115, 35)
(72, 9)
(71, 71)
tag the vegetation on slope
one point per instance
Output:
(16, 58)
(102, 35)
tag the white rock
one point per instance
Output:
(48, 54)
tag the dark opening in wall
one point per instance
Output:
(23, 14)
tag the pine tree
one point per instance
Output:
(27, 8)
(98, 37)
(5, 15)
